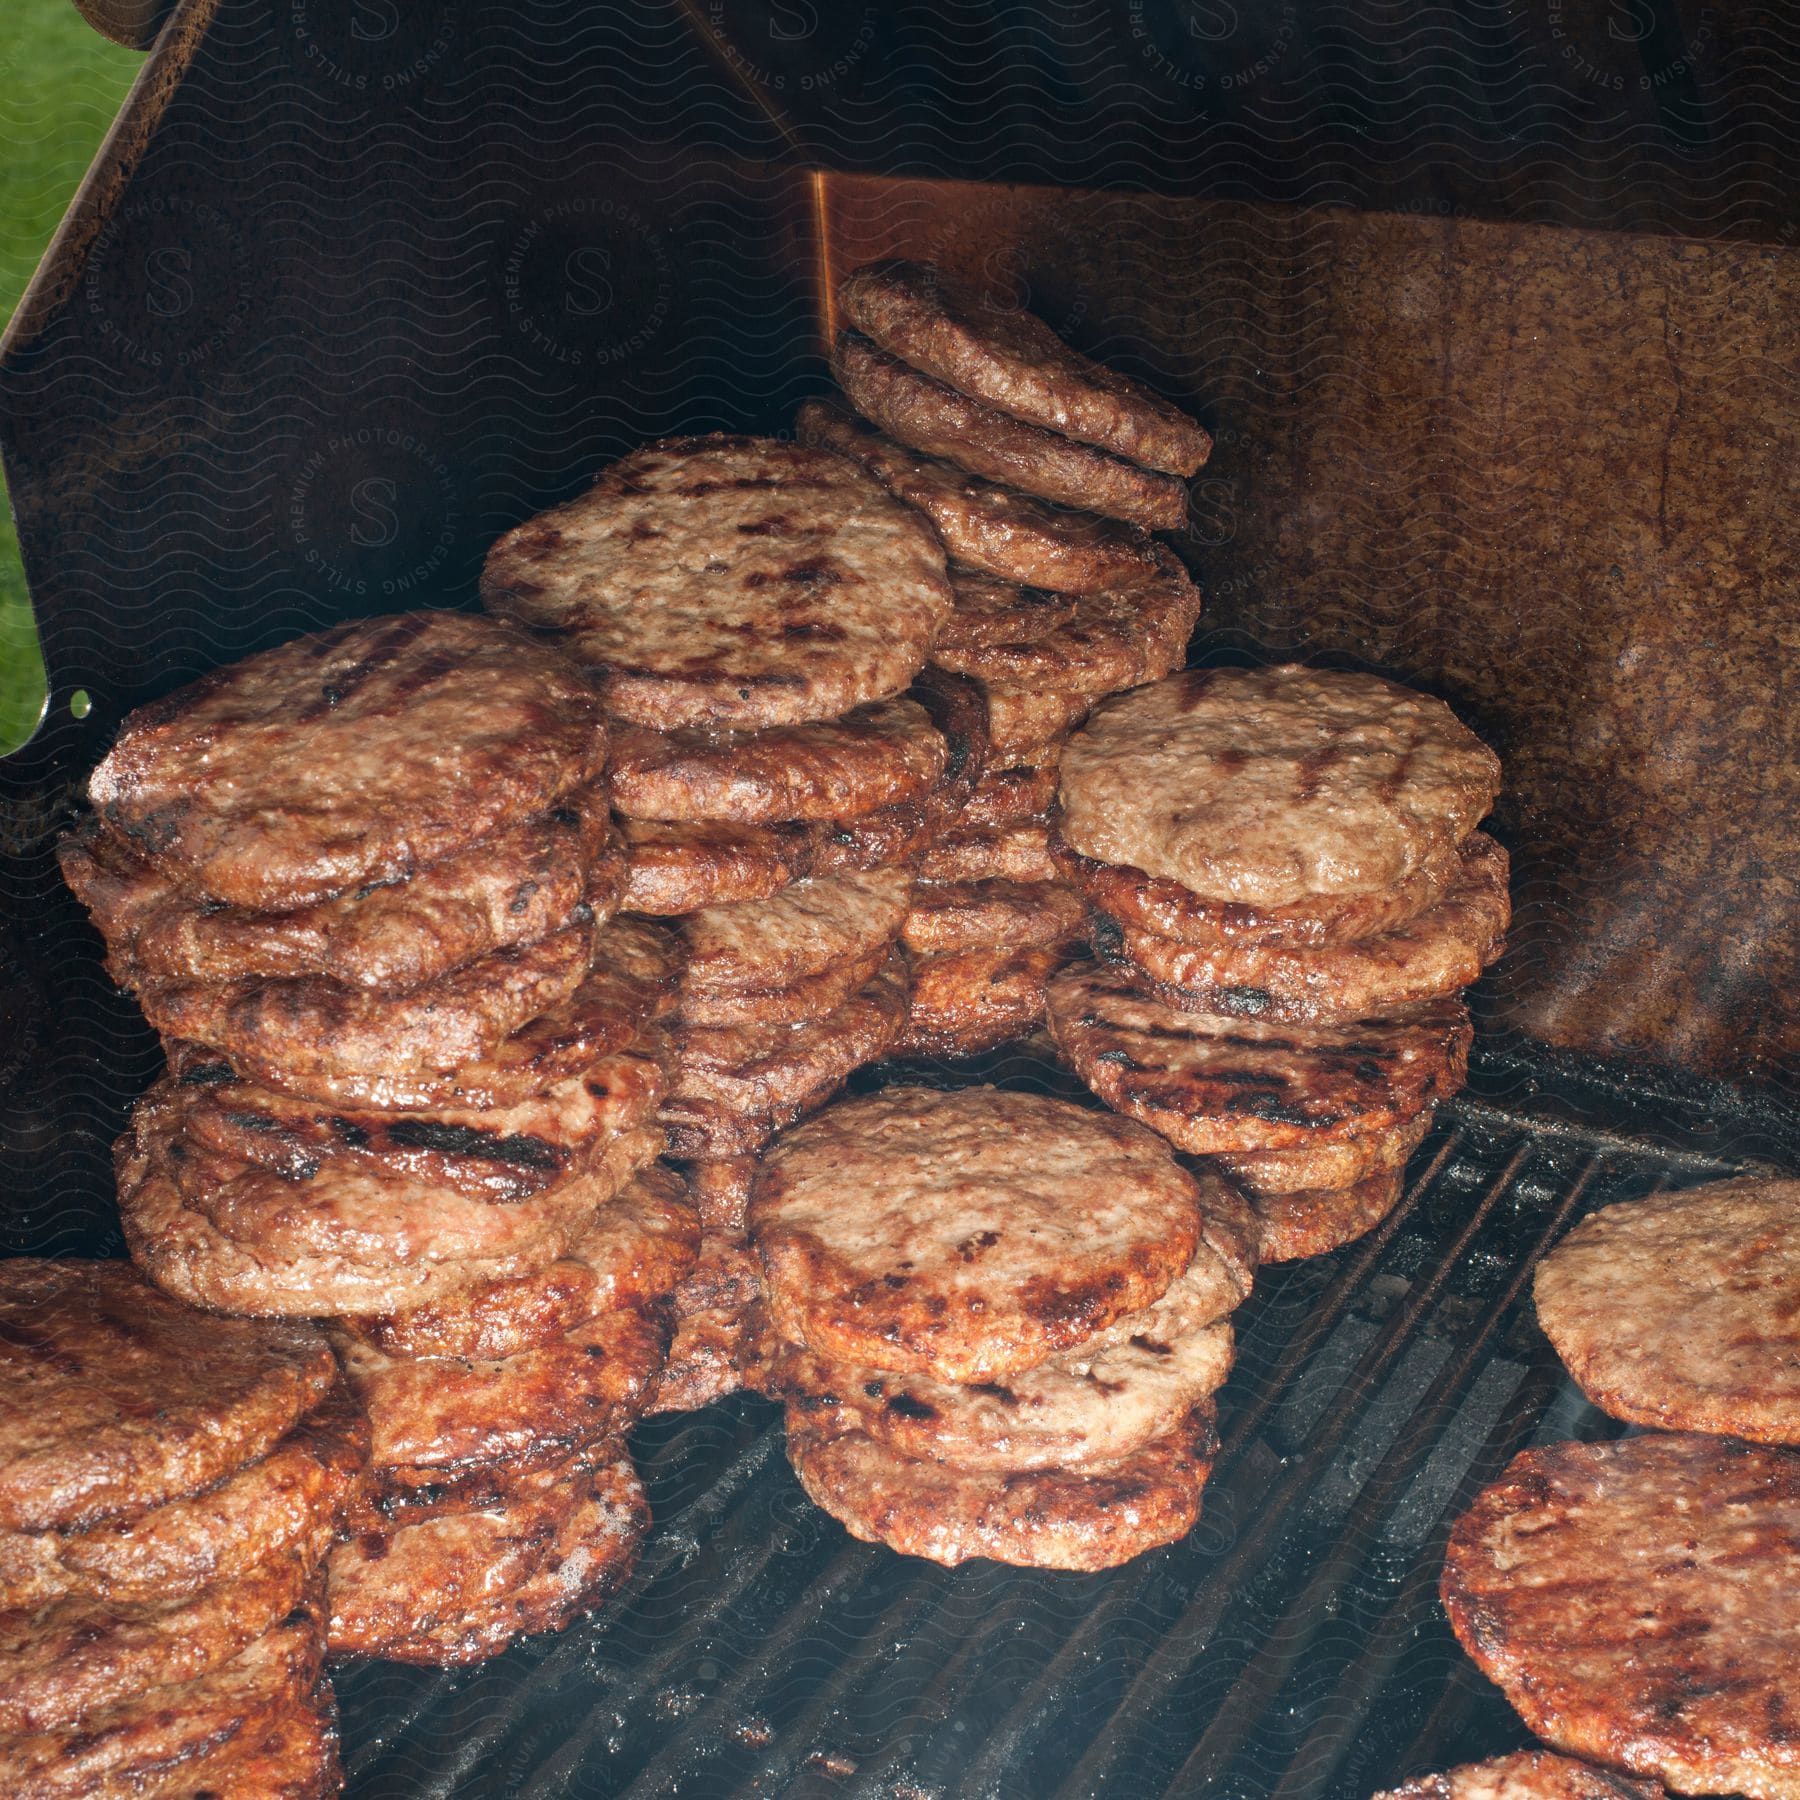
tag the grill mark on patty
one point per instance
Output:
(819, 572)
(466, 1140)
(907, 1406)
(387, 649)
(1313, 770)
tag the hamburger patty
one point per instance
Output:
(981, 525)
(590, 1555)
(876, 756)
(517, 885)
(1213, 1085)
(973, 1000)
(1274, 787)
(311, 1028)
(1093, 1404)
(78, 1655)
(1339, 1164)
(966, 1235)
(1012, 360)
(1439, 952)
(290, 1755)
(358, 754)
(349, 1209)
(521, 1410)
(727, 1276)
(681, 868)
(675, 869)
(1114, 638)
(947, 916)
(175, 1550)
(115, 1399)
(1315, 1221)
(986, 853)
(505, 1153)
(720, 1188)
(1011, 795)
(1682, 1310)
(894, 837)
(1028, 720)
(1089, 1518)
(1526, 1775)
(733, 1087)
(632, 981)
(1636, 1603)
(184, 1253)
(809, 929)
(678, 869)
(432, 1574)
(729, 581)
(940, 422)
(706, 1358)
(992, 613)
(812, 997)
(633, 1255)
(144, 1745)
(1166, 909)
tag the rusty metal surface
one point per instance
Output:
(1550, 474)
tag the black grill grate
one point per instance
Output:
(1291, 1647)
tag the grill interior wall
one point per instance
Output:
(1551, 474)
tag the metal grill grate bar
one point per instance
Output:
(1341, 1715)
(1036, 1710)
(1180, 1646)
(746, 1550)
(703, 1727)
(897, 1621)
(562, 1661)
(1287, 1636)
(933, 1702)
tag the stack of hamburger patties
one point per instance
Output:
(169, 1487)
(362, 885)
(999, 1323)
(1043, 474)
(1289, 893)
(756, 617)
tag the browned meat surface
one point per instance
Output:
(634, 1254)
(1636, 1602)
(732, 1087)
(1682, 1310)
(966, 1235)
(980, 524)
(938, 421)
(1213, 1084)
(1113, 638)
(729, 581)
(1010, 358)
(1093, 1517)
(1439, 952)
(115, 1398)
(877, 756)
(359, 754)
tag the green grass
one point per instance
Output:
(61, 85)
